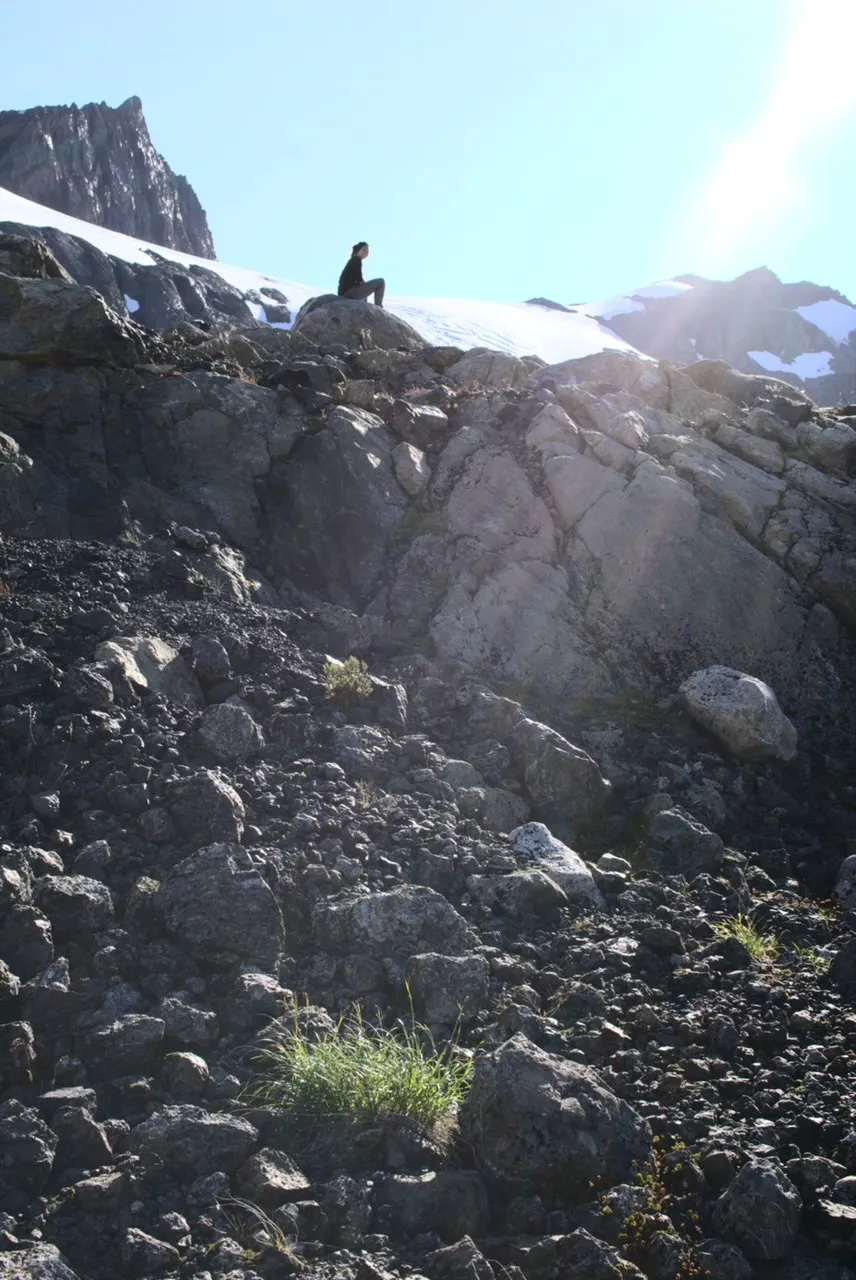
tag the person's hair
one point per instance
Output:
(361, 244)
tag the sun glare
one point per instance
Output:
(756, 179)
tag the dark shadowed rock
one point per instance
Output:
(760, 1211)
(343, 322)
(204, 807)
(534, 1118)
(401, 922)
(562, 780)
(448, 988)
(217, 906)
(195, 1142)
(452, 1202)
(66, 323)
(27, 1148)
(230, 733)
(76, 905)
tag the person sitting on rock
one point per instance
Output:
(351, 283)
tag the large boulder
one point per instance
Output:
(150, 664)
(193, 1142)
(563, 781)
(448, 988)
(742, 712)
(50, 320)
(206, 808)
(538, 1120)
(760, 1211)
(537, 844)
(400, 922)
(218, 906)
(230, 733)
(341, 503)
(328, 321)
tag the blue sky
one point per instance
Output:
(486, 148)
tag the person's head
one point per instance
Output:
(360, 249)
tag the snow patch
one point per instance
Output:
(836, 319)
(608, 308)
(131, 304)
(809, 364)
(512, 327)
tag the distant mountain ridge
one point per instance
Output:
(99, 164)
(803, 333)
(81, 174)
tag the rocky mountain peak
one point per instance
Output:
(99, 164)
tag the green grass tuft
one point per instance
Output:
(358, 1072)
(347, 681)
(761, 946)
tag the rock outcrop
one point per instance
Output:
(98, 163)
(221, 842)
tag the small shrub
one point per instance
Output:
(358, 1072)
(347, 681)
(761, 946)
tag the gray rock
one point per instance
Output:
(83, 1142)
(27, 1148)
(459, 1261)
(218, 906)
(35, 1262)
(343, 504)
(26, 939)
(77, 906)
(562, 780)
(741, 711)
(194, 1142)
(760, 1211)
(270, 1178)
(533, 1118)
(524, 895)
(723, 1261)
(49, 320)
(447, 989)
(144, 1255)
(537, 844)
(187, 1026)
(230, 733)
(204, 807)
(582, 1256)
(685, 846)
(489, 370)
(328, 322)
(452, 1202)
(150, 664)
(184, 1075)
(130, 1045)
(411, 469)
(209, 659)
(400, 922)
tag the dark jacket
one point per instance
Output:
(352, 275)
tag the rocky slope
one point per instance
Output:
(98, 163)
(803, 333)
(195, 833)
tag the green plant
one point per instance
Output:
(255, 1230)
(367, 795)
(348, 681)
(761, 946)
(813, 957)
(359, 1072)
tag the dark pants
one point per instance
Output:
(363, 291)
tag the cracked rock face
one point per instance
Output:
(98, 163)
